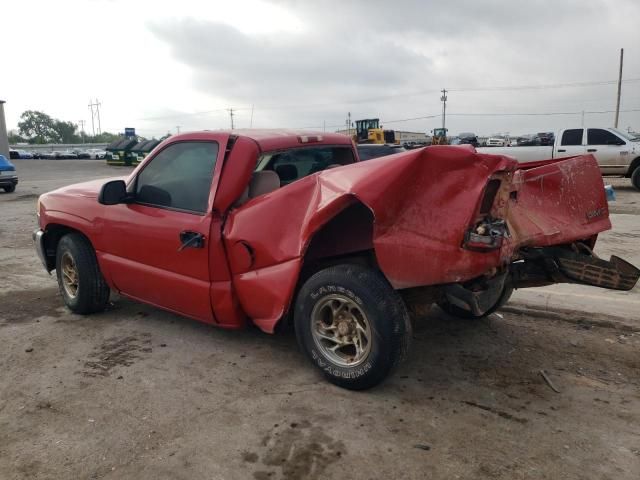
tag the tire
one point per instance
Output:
(76, 256)
(10, 189)
(456, 311)
(635, 177)
(365, 298)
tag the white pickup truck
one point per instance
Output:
(617, 152)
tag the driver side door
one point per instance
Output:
(157, 246)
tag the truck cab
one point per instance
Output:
(614, 150)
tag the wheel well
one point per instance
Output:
(635, 164)
(54, 232)
(346, 238)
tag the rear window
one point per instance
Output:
(572, 137)
(294, 164)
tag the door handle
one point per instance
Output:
(561, 150)
(592, 149)
(189, 239)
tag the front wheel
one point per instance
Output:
(80, 281)
(352, 325)
(10, 188)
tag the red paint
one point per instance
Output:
(422, 202)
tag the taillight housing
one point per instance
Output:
(488, 228)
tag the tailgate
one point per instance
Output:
(558, 203)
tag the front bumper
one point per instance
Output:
(8, 181)
(38, 240)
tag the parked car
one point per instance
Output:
(369, 151)
(96, 153)
(465, 138)
(527, 141)
(8, 175)
(20, 155)
(230, 227)
(617, 152)
(48, 155)
(81, 154)
(495, 142)
(546, 138)
(65, 155)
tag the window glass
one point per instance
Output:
(291, 165)
(599, 136)
(179, 177)
(572, 137)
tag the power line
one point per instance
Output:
(459, 89)
(379, 98)
(543, 86)
(507, 114)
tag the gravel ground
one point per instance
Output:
(139, 393)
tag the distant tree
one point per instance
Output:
(14, 138)
(37, 127)
(104, 137)
(66, 131)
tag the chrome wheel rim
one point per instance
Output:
(70, 275)
(341, 330)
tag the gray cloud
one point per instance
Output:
(366, 56)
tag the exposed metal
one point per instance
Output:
(341, 330)
(69, 275)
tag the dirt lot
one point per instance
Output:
(139, 393)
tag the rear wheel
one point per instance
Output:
(352, 325)
(456, 311)
(80, 281)
(635, 177)
(10, 188)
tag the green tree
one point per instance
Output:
(37, 127)
(15, 138)
(66, 131)
(104, 137)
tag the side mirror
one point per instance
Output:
(113, 192)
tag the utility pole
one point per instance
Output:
(231, 115)
(443, 99)
(177, 128)
(81, 122)
(349, 123)
(98, 110)
(251, 121)
(4, 139)
(615, 124)
(95, 114)
(93, 128)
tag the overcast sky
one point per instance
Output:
(156, 65)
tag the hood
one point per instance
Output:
(6, 165)
(86, 189)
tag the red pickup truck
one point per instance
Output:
(266, 226)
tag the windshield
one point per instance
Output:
(634, 137)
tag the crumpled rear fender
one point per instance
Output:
(423, 202)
